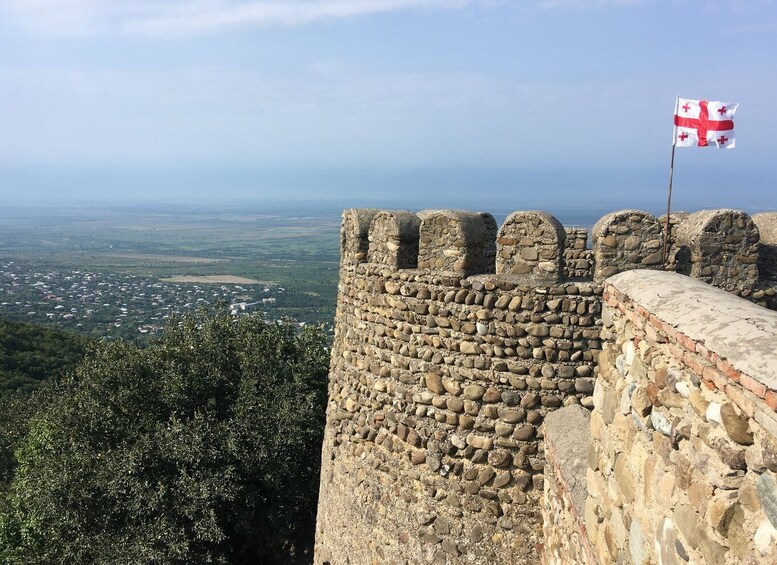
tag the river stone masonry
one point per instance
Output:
(724, 248)
(678, 256)
(682, 461)
(766, 222)
(578, 259)
(453, 240)
(531, 247)
(393, 239)
(441, 378)
(629, 239)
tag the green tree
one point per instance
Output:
(30, 354)
(202, 447)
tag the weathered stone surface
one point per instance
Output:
(404, 439)
(764, 537)
(698, 402)
(480, 442)
(699, 495)
(730, 453)
(640, 402)
(609, 406)
(613, 233)
(737, 538)
(769, 452)
(734, 329)
(486, 475)
(512, 416)
(499, 458)
(530, 247)
(637, 543)
(456, 240)
(524, 433)
(393, 239)
(723, 247)
(624, 478)
(661, 423)
(721, 511)
(434, 383)
(665, 543)
(474, 392)
(712, 551)
(688, 523)
(766, 487)
(736, 424)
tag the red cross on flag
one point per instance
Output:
(701, 123)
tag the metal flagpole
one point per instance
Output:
(669, 198)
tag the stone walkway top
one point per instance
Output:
(733, 328)
(567, 433)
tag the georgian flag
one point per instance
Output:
(701, 123)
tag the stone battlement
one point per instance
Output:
(721, 247)
(454, 339)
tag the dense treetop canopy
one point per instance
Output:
(30, 354)
(203, 446)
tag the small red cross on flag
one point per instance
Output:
(701, 123)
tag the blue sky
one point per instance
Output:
(458, 102)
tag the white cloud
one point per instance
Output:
(195, 17)
(173, 17)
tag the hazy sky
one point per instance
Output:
(456, 100)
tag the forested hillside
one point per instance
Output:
(30, 354)
(201, 447)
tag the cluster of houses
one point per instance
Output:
(114, 304)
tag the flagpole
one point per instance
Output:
(669, 197)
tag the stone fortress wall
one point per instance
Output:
(454, 339)
(677, 462)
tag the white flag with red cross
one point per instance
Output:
(701, 123)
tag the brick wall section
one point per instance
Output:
(684, 431)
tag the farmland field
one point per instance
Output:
(284, 258)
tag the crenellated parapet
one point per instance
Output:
(578, 259)
(723, 247)
(459, 241)
(455, 339)
(626, 240)
(766, 222)
(530, 246)
(393, 238)
(720, 247)
(354, 232)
